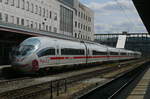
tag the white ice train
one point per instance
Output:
(38, 53)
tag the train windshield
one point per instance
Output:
(27, 47)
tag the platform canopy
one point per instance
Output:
(143, 8)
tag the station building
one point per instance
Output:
(67, 17)
(83, 22)
(20, 19)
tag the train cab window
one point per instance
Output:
(28, 46)
(99, 53)
(46, 52)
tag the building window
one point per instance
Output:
(81, 26)
(32, 8)
(86, 28)
(40, 11)
(23, 4)
(27, 23)
(43, 26)
(50, 28)
(86, 18)
(46, 27)
(78, 14)
(18, 21)
(50, 14)
(22, 21)
(18, 3)
(31, 24)
(39, 26)
(89, 29)
(55, 29)
(55, 16)
(43, 12)
(81, 15)
(36, 9)
(27, 5)
(75, 35)
(36, 25)
(1, 18)
(75, 23)
(89, 19)
(79, 35)
(78, 25)
(12, 2)
(12, 19)
(6, 2)
(6, 17)
(47, 13)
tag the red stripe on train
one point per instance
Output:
(81, 57)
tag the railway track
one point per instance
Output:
(56, 85)
(111, 89)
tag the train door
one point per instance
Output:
(54, 58)
(88, 53)
(57, 53)
(108, 54)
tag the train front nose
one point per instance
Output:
(19, 64)
(25, 58)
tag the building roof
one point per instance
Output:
(142, 7)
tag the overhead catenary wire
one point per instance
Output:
(124, 12)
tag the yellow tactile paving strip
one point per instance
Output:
(140, 90)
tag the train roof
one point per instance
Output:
(62, 41)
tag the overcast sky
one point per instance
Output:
(112, 16)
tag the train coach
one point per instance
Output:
(38, 53)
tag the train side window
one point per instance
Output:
(46, 52)
(99, 53)
(123, 53)
(69, 51)
(113, 53)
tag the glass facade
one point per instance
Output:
(68, 2)
(66, 20)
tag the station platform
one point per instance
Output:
(142, 88)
